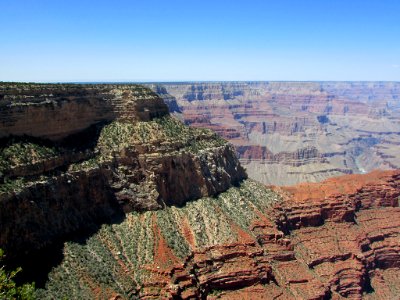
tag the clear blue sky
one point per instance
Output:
(199, 40)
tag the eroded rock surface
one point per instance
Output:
(291, 132)
(58, 111)
(175, 218)
(333, 240)
(73, 156)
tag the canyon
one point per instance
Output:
(334, 240)
(106, 195)
(55, 178)
(291, 132)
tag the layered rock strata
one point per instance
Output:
(353, 127)
(149, 208)
(57, 111)
(122, 153)
(334, 240)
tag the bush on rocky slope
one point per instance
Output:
(9, 289)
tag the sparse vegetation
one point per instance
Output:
(115, 259)
(118, 258)
(118, 135)
(194, 139)
(112, 260)
(242, 203)
(12, 185)
(170, 230)
(115, 136)
(86, 164)
(9, 290)
(19, 152)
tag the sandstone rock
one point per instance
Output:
(25, 109)
(171, 216)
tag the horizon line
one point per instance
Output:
(181, 81)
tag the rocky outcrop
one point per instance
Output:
(123, 153)
(44, 211)
(352, 125)
(315, 250)
(297, 158)
(167, 214)
(189, 177)
(57, 111)
(334, 240)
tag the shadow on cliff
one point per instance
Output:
(57, 221)
(37, 265)
(84, 140)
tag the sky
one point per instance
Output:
(174, 40)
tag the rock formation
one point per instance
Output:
(291, 132)
(136, 205)
(122, 153)
(333, 240)
(25, 108)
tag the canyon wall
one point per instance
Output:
(57, 111)
(291, 132)
(129, 203)
(338, 239)
(69, 164)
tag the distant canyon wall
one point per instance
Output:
(291, 132)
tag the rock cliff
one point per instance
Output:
(352, 127)
(334, 240)
(122, 153)
(131, 204)
(57, 111)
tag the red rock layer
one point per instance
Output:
(300, 157)
(351, 124)
(338, 239)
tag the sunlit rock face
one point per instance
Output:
(332, 240)
(73, 156)
(291, 132)
(56, 111)
(126, 202)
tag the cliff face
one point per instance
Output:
(334, 240)
(57, 111)
(352, 127)
(167, 213)
(123, 153)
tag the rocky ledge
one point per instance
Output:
(338, 239)
(73, 156)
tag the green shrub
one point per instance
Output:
(11, 185)
(9, 289)
(22, 153)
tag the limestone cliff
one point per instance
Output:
(57, 111)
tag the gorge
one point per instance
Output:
(106, 195)
(291, 132)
